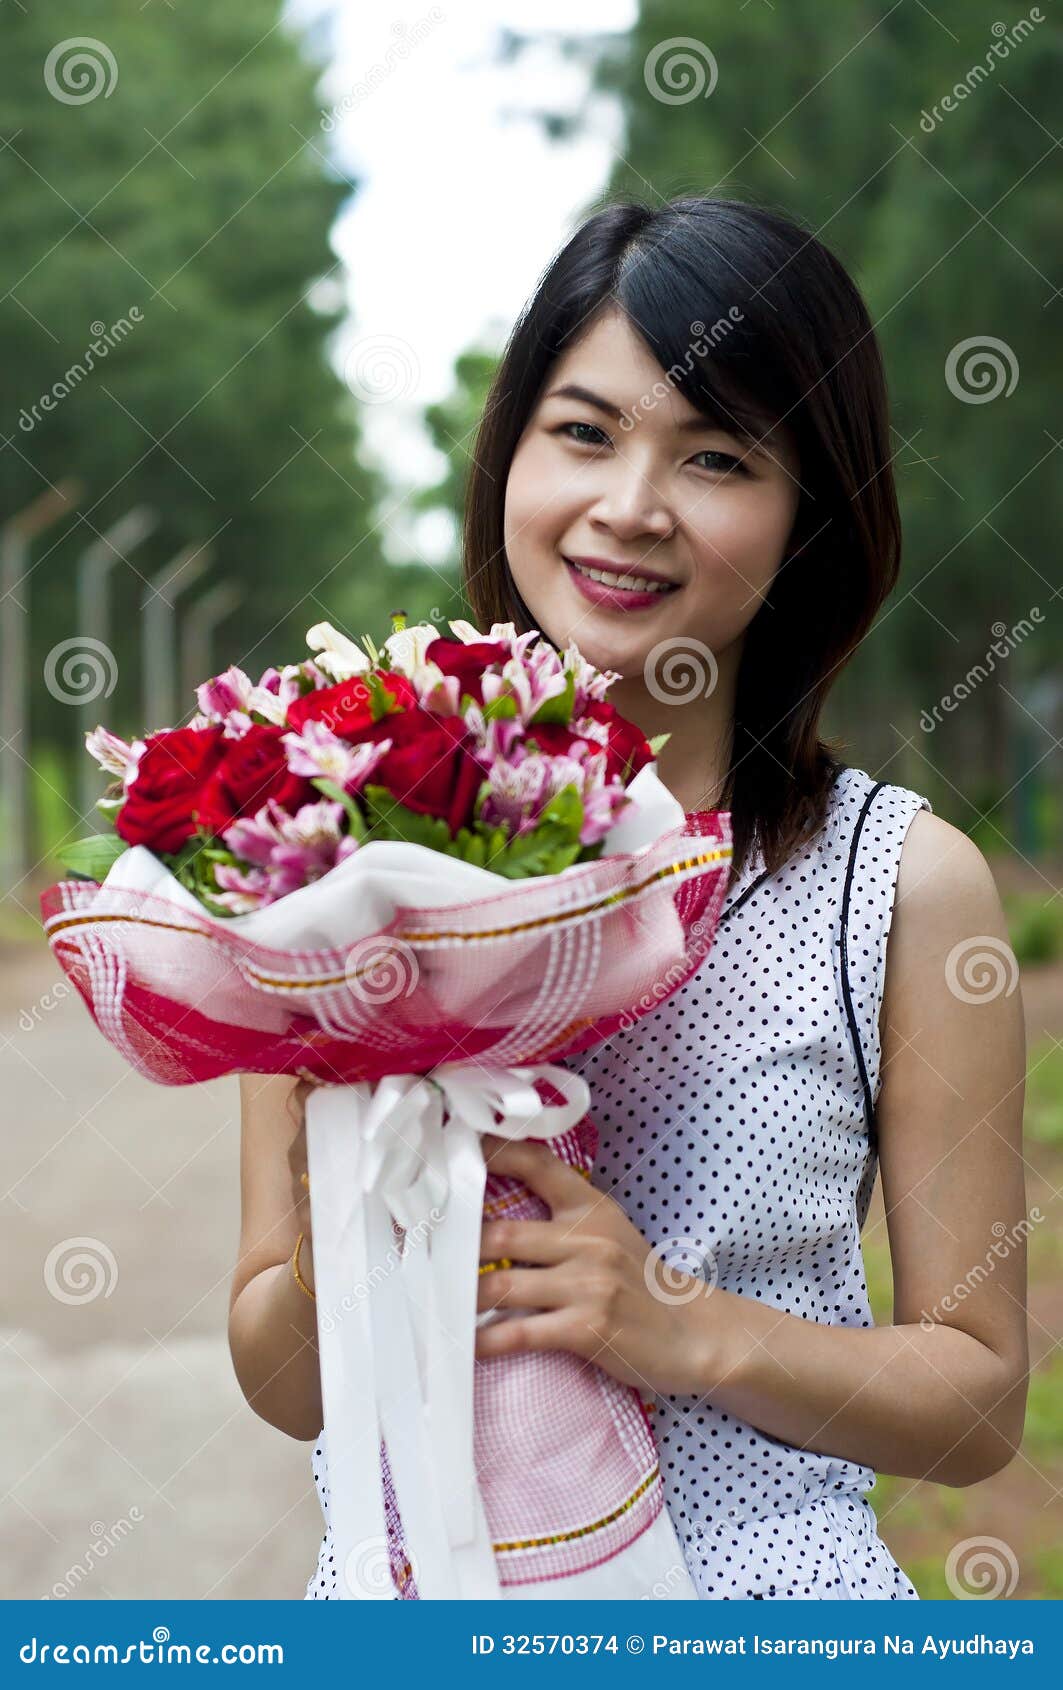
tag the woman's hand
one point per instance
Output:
(297, 1163)
(603, 1292)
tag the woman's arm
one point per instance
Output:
(941, 1392)
(272, 1323)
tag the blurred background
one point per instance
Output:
(258, 265)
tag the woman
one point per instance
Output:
(694, 401)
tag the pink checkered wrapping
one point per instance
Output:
(545, 969)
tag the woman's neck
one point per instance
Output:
(695, 762)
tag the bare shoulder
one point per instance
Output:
(948, 917)
(942, 871)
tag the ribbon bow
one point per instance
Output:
(396, 1331)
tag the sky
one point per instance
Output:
(462, 200)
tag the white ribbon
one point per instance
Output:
(396, 1333)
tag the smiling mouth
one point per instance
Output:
(635, 584)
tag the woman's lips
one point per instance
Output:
(613, 598)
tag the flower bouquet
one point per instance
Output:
(422, 876)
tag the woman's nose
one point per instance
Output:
(632, 505)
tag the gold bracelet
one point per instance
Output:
(299, 1280)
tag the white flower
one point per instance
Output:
(335, 653)
(407, 646)
(466, 633)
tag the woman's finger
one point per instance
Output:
(551, 1331)
(558, 1184)
(524, 1288)
(541, 1242)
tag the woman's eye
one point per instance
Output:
(724, 461)
(565, 427)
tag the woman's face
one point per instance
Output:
(671, 492)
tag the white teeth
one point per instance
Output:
(624, 583)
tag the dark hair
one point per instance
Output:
(791, 343)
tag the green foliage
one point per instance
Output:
(557, 708)
(194, 864)
(189, 210)
(824, 111)
(93, 856)
(356, 820)
(1035, 926)
(452, 425)
(553, 846)
(1043, 1117)
(1043, 1434)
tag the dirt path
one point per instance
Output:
(133, 1467)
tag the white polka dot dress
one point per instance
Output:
(734, 1127)
(734, 1131)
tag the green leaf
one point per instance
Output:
(381, 702)
(109, 808)
(547, 850)
(390, 820)
(658, 743)
(504, 707)
(93, 856)
(565, 810)
(354, 814)
(560, 707)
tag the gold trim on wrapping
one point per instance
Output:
(721, 854)
(55, 926)
(580, 1531)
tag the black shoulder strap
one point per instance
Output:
(847, 996)
(748, 893)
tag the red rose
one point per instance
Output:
(174, 767)
(628, 749)
(467, 661)
(252, 769)
(556, 739)
(429, 767)
(345, 707)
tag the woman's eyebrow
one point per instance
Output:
(692, 425)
